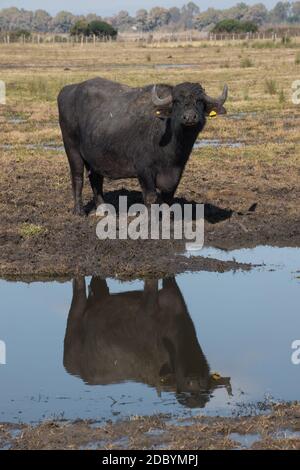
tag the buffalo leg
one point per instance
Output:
(77, 170)
(78, 304)
(96, 182)
(74, 330)
(168, 182)
(77, 182)
(79, 296)
(150, 295)
(167, 196)
(98, 288)
(147, 183)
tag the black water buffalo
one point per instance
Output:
(144, 336)
(120, 132)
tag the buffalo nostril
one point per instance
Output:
(190, 117)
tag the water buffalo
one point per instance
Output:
(116, 131)
(144, 336)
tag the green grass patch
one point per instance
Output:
(270, 86)
(246, 62)
(31, 230)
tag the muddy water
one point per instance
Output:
(205, 342)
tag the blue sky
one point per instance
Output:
(103, 7)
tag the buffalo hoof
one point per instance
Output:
(166, 200)
(93, 213)
(151, 198)
(79, 211)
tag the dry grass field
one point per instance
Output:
(251, 157)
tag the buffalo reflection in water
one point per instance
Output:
(144, 336)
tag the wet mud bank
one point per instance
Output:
(41, 238)
(278, 429)
(68, 245)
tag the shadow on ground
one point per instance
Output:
(212, 214)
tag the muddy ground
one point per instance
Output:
(40, 236)
(278, 429)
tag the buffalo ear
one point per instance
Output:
(163, 112)
(216, 104)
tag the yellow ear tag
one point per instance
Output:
(216, 376)
(212, 114)
(158, 113)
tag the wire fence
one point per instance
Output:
(146, 38)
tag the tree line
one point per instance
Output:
(156, 19)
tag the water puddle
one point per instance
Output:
(176, 66)
(288, 122)
(16, 121)
(121, 443)
(241, 115)
(287, 434)
(60, 148)
(198, 343)
(217, 143)
(245, 440)
(93, 445)
(155, 433)
(48, 146)
(271, 257)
